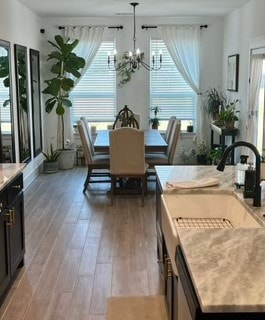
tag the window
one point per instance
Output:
(169, 91)
(94, 97)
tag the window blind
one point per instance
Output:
(168, 90)
(94, 97)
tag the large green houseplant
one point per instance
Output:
(66, 68)
(214, 101)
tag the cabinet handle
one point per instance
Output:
(17, 187)
(12, 212)
(1, 206)
(9, 216)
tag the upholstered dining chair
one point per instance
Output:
(127, 158)
(88, 131)
(169, 128)
(93, 161)
(155, 159)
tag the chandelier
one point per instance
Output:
(133, 59)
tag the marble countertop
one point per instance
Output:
(227, 268)
(227, 184)
(8, 171)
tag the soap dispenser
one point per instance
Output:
(249, 181)
(241, 168)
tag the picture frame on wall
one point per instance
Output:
(232, 72)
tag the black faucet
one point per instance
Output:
(256, 188)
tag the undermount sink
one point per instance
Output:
(201, 205)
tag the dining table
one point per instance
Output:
(153, 141)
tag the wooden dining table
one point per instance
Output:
(153, 141)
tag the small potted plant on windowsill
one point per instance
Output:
(154, 121)
(50, 164)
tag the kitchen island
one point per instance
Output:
(225, 266)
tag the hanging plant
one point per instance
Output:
(126, 69)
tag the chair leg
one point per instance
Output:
(87, 179)
(112, 190)
(143, 180)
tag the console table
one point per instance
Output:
(223, 133)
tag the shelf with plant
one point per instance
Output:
(228, 116)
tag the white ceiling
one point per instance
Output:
(99, 8)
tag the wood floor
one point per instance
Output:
(80, 251)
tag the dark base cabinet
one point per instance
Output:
(170, 279)
(12, 233)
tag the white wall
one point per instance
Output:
(240, 27)
(18, 25)
(136, 93)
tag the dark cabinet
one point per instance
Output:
(169, 278)
(12, 239)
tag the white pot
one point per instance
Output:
(66, 159)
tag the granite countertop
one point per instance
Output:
(8, 171)
(227, 268)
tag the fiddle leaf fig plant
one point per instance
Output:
(67, 66)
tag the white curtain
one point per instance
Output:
(183, 43)
(255, 82)
(90, 39)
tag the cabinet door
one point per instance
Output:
(4, 254)
(17, 243)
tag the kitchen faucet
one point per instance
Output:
(256, 195)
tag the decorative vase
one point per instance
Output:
(66, 159)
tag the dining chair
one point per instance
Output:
(125, 118)
(127, 158)
(87, 127)
(155, 159)
(169, 127)
(93, 161)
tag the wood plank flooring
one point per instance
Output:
(80, 251)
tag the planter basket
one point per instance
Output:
(50, 167)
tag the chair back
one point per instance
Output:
(127, 151)
(173, 140)
(87, 128)
(169, 127)
(88, 152)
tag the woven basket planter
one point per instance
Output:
(50, 167)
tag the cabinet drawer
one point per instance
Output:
(14, 188)
(3, 200)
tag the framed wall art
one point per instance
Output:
(232, 72)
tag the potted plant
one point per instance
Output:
(215, 155)
(228, 116)
(50, 164)
(214, 101)
(202, 154)
(154, 121)
(65, 68)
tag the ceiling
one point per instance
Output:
(101, 8)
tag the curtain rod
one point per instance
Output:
(154, 27)
(110, 27)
